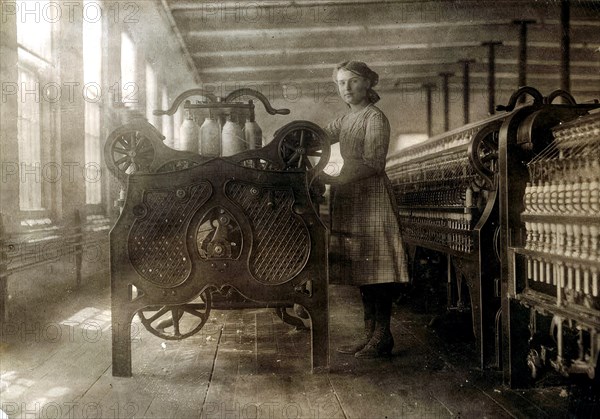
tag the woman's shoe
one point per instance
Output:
(352, 349)
(380, 345)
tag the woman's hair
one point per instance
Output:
(361, 69)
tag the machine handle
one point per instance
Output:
(538, 98)
(192, 92)
(249, 92)
(561, 93)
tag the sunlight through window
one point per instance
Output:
(128, 70)
(92, 76)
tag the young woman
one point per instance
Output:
(364, 215)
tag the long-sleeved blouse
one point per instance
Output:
(364, 219)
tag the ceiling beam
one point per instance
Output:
(385, 64)
(183, 6)
(404, 77)
(299, 31)
(377, 36)
(374, 49)
(317, 50)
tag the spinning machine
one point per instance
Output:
(512, 203)
(550, 216)
(446, 191)
(198, 232)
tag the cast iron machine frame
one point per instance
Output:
(244, 228)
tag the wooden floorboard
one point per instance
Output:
(415, 382)
(249, 363)
(262, 370)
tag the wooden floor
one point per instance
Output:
(56, 362)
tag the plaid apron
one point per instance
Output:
(365, 233)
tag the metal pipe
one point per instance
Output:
(466, 89)
(565, 45)
(428, 87)
(445, 76)
(491, 74)
(523, 50)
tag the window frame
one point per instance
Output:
(45, 126)
(41, 65)
(97, 208)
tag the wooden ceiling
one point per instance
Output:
(408, 42)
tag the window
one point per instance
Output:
(93, 162)
(92, 76)
(167, 120)
(128, 70)
(151, 94)
(34, 27)
(30, 147)
(34, 38)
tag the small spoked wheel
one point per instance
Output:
(176, 322)
(303, 146)
(132, 152)
(129, 149)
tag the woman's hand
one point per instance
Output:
(328, 179)
(350, 173)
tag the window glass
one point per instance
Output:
(29, 141)
(151, 94)
(128, 70)
(34, 38)
(92, 76)
(34, 26)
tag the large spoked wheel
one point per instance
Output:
(483, 153)
(176, 322)
(130, 149)
(303, 146)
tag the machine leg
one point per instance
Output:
(3, 301)
(78, 265)
(515, 345)
(484, 310)
(490, 305)
(289, 319)
(476, 312)
(121, 342)
(484, 306)
(319, 339)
